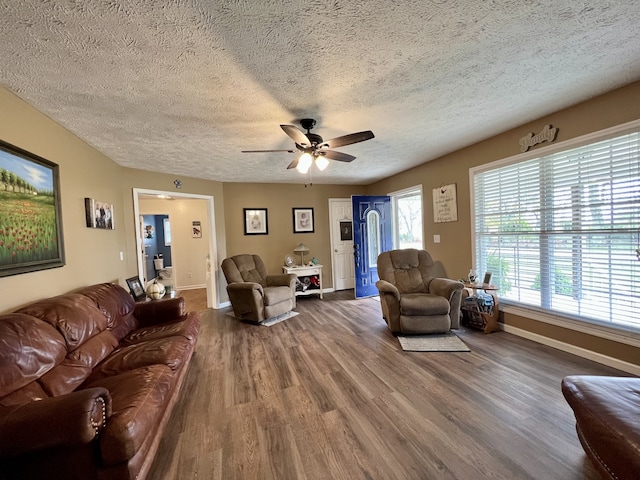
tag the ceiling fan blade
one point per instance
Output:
(266, 151)
(294, 164)
(339, 156)
(347, 139)
(297, 135)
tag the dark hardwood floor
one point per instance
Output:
(329, 394)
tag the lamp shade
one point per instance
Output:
(301, 249)
(321, 162)
(304, 163)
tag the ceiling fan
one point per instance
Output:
(312, 148)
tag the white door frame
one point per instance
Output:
(213, 299)
(333, 234)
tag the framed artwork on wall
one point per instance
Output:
(30, 212)
(255, 221)
(303, 220)
(346, 231)
(98, 214)
(196, 229)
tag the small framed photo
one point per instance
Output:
(255, 221)
(98, 214)
(303, 220)
(346, 231)
(487, 278)
(135, 287)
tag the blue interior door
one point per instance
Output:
(371, 236)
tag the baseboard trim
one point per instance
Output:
(579, 351)
(190, 287)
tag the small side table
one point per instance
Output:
(487, 321)
(310, 279)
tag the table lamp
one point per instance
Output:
(301, 249)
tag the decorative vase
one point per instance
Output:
(156, 290)
(473, 276)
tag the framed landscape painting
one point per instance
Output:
(30, 212)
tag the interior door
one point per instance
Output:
(341, 243)
(372, 231)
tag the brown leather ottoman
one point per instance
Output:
(607, 411)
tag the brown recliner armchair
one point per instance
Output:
(413, 300)
(254, 295)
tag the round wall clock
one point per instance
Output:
(289, 261)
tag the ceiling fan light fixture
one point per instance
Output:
(304, 163)
(321, 162)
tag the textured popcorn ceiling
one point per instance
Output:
(182, 86)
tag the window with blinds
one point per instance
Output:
(560, 232)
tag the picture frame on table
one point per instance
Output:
(256, 221)
(135, 287)
(487, 278)
(303, 220)
(30, 212)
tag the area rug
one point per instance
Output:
(270, 321)
(446, 342)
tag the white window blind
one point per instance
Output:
(560, 232)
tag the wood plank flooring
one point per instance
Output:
(329, 394)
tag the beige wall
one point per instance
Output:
(454, 251)
(279, 199)
(92, 255)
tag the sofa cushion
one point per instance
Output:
(187, 327)
(116, 304)
(138, 398)
(78, 365)
(423, 304)
(75, 316)
(30, 348)
(170, 351)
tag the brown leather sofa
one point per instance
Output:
(88, 381)
(607, 411)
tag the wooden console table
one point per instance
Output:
(485, 321)
(307, 276)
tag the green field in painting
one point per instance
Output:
(27, 228)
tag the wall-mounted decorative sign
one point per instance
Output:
(548, 134)
(196, 229)
(346, 231)
(98, 214)
(445, 204)
(30, 213)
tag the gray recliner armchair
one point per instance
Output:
(254, 295)
(413, 300)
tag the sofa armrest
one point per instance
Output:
(246, 287)
(452, 290)
(72, 419)
(282, 280)
(159, 311)
(385, 287)
(390, 304)
(444, 287)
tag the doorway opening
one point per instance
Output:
(191, 262)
